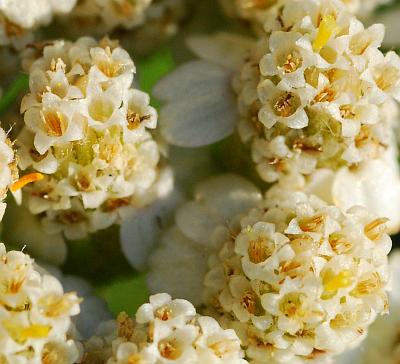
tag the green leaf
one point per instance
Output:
(125, 294)
(11, 93)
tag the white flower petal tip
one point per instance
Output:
(199, 105)
(374, 185)
(140, 230)
(224, 49)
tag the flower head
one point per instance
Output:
(313, 95)
(164, 331)
(35, 313)
(87, 131)
(301, 280)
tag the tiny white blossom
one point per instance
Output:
(164, 331)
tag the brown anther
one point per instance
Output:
(126, 326)
(312, 224)
(339, 243)
(134, 120)
(368, 286)
(71, 217)
(328, 94)
(54, 122)
(284, 106)
(249, 302)
(82, 182)
(292, 63)
(168, 350)
(259, 250)
(115, 203)
(346, 112)
(376, 229)
(305, 146)
(163, 313)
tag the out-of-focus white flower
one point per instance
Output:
(141, 230)
(8, 169)
(187, 245)
(87, 132)
(164, 331)
(312, 92)
(19, 18)
(35, 314)
(256, 11)
(150, 22)
(300, 280)
(389, 18)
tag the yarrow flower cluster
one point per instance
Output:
(111, 13)
(35, 314)
(19, 18)
(151, 20)
(8, 169)
(257, 10)
(316, 92)
(164, 331)
(87, 132)
(300, 280)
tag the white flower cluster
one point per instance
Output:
(317, 91)
(257, 10)
(19, 18)
(151, 20)
(35, 314)
(111, 13)
(8, 169)
(300, 280)
(86, 132)
(164, 331)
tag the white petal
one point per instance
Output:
(140, 231)
(201, 107)
(225, 49)
(375, 185)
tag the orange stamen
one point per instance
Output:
(23, 181)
